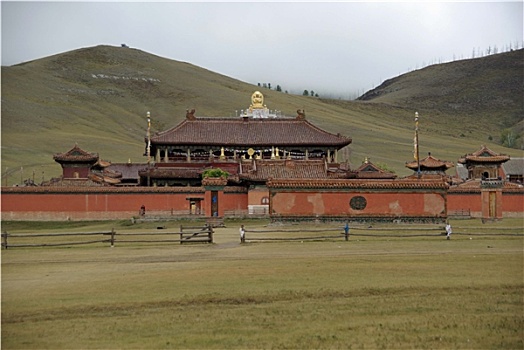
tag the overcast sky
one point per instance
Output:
(328, 47)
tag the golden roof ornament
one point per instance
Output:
(257, 101)
(257, 108)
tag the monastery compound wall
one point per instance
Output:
(287, 201)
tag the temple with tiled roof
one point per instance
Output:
(181, 153)
(484, 163)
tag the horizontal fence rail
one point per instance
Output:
(284, 235)
(187, 234)
(254, 235)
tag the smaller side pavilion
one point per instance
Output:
(86, 169)
(485, 177)
(76, 163)
(430, 168)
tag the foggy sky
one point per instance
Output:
(328, 47)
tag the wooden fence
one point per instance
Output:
(372, 231)
(343, 232)
(294, 235)
(187, 234)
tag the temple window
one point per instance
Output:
(265, 200)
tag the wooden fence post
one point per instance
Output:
(4, 239)
(210, 227)
(112, 237)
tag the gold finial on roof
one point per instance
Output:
(257, 100)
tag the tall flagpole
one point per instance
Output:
(416, 153)
(148, 148)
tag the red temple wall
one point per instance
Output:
(255, 196)
(386, 204)
(509, 204)
(233, 201)
(92, 205)
(465, 201)
(513, 204)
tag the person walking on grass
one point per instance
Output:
(448, 231)
(242, 234)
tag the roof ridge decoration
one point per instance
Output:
(190, 114)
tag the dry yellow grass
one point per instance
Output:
(365, 293)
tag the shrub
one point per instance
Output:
(215, 172)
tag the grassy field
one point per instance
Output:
(369, 292)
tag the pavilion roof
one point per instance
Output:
(430, 162)
(368, 170)
(250, 132)
(76, 154)
(484, 155)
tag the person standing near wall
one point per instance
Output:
(242, 234)
(448, 231)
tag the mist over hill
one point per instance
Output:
(98, 97)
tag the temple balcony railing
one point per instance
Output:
(491, 183)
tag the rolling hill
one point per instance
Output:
(98, 97)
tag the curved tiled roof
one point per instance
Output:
(248, 132)
(76, 154)
(430, 162)
(484, 155)
(369, 170)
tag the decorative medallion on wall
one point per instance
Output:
(358, 203)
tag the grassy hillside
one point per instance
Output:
(98, 97)
(483, 95)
